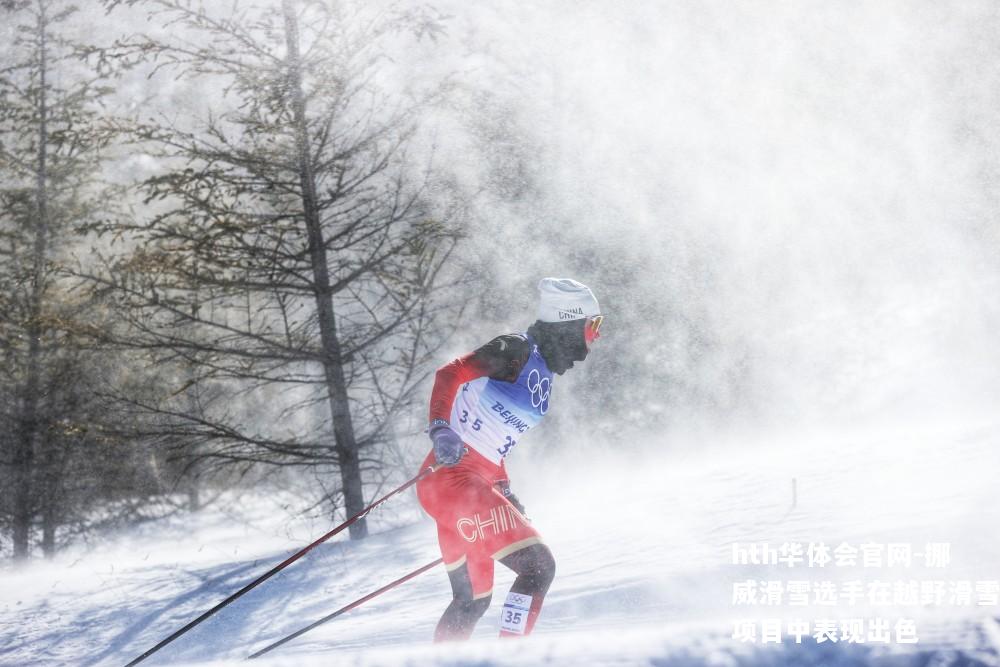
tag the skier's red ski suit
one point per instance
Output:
(489, 398)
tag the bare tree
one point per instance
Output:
(297, 263)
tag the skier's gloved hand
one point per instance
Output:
(448, 446)
(504, 487)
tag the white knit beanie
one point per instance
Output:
(563, 299)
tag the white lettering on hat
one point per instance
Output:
(564, 299)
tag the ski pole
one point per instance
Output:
(282, 565)
(345, 609)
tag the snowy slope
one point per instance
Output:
(643, 550)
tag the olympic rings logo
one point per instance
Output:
(540, 388)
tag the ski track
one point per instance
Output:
(644, 573)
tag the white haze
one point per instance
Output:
(807, 190)
(809, 185)
(787, 209)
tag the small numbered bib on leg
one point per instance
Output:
(514, 615)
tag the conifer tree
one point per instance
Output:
(293, 256)
(52, 147)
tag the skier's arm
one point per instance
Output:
(503, 486)
(500, 359)
(502, 482)
(448, 379)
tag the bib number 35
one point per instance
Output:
(476, 424)
(514, 616)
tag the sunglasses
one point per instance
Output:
(592, 329)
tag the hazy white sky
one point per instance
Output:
(811, 182)
(804, 189)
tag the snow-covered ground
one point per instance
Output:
(643, 545)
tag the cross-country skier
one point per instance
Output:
(482, 404)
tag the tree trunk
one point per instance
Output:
(24, 452)
(194, 498)
(336, 383)
(49, 523)
(47, 481)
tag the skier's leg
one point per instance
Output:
(535, 568)
(466, 607)
(439, 494)
(476, 526)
